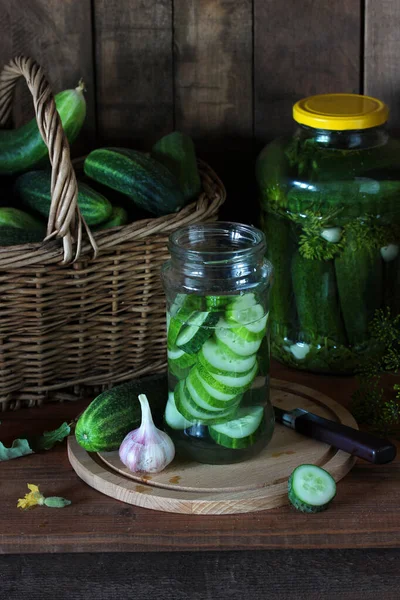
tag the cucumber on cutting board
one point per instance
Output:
(241, 432)
(176, 152)
(114, 413)
(23, 148)
(311, 489)
(34, 191)
(146, 182)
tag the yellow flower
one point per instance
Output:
(32, 499)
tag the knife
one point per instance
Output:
(358, 443)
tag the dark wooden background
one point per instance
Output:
(225, 71)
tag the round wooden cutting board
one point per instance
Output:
(257, 484)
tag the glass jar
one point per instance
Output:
(330, 210)
(217, 286)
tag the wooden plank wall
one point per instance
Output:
(224, 71)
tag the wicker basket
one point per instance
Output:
(90, 313)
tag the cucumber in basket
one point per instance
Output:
(33, 190)
(114, 413)
(148, 184)
(176, 151)
(23, 148)
(118, 217)
(19, 227)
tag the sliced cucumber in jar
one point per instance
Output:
(180, 358)
(234, 342)
(197, 329)
(225, 383)
(217, 302)
(311, 489)
(173, 417)
(243, 431)
(201, 398)
(209, 394)
(213, 358)
(192, 412)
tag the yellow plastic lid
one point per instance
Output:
(340, 111)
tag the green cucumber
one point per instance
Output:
(317, 302)
(237, 309)
(225, 384)
(217, 303)
(208, 393)
(13, 236)
(118, 217)
(180, 362)
(241, 432)
(202, 399)
(280, 249)
(147, 183)
(173, 417)
(272, 176)
(22, 149)
(359, 275)
(216, 360)
(34, 191)
(232, 341)
(193, 412)
(19, 219)
(197, 329)
(176, 151)
(114, 413)
(18, 227)
(311, 489)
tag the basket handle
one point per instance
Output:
(65, 220)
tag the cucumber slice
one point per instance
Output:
(216, 360)
(224, 383)
(241, 432)
(180, 358)
(198, 328)
(217, 302)
(205, 396)
(192, 412)
(233, 341)
(173, 417)
(237, 309)
(175, 323)
(311, 488)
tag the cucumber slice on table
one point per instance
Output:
(241, 432)
(197, 329)
(234, 342)
(173, 417)
(311, 488)
(216, 360)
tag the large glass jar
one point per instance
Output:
(217, 286)
(330, 210)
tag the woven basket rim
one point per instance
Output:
(50, 253)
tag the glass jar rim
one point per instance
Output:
(183, 241)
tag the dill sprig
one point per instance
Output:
(371, 403)
(311, 244)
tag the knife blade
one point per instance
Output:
(365, 445)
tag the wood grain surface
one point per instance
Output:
(300, 49)
(381, 52)
(365, 513)
(256, 575)
(133, 42)
(194, 488)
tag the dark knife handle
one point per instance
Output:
(359, 443)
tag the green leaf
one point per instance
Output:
(18, 448)
(50, 438)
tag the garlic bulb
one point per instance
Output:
(389, 252)
(332, 234)
(146, 449)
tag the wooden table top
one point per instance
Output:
(364, 514)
